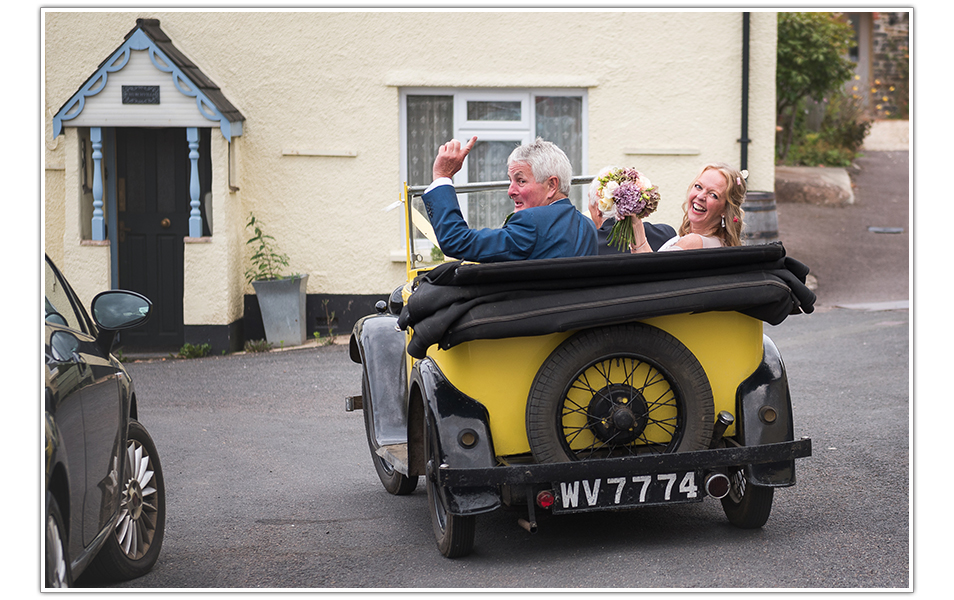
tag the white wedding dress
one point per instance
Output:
(707, 242)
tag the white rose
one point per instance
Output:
(609, 188)
(644, 182)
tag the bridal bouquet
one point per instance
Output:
(627, 193)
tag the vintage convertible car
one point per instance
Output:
(580, 384)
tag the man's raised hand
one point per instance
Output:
(450, 157)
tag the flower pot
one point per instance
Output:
(282, 302)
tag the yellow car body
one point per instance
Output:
(514, 362)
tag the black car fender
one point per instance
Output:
(764, 407)
(379, 346)
(463, 428)
(56, 470)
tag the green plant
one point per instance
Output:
(324, 340)
(267, 262)
(814, 151)
(193, 351)
(845, 123)
(257, 346)
(811, 63)
(840, 135)
(329, 319)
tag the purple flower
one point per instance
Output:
(628, 200)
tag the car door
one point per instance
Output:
(88, 411)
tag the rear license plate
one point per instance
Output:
(626, 492)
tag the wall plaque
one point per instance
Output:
(140, 94)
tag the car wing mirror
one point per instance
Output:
(118, 309)
(114, 310)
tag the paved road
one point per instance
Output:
(851, 263)
(270, 485)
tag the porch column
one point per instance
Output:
(98, 223)
(195, 216)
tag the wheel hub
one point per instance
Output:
(134, 500)
(617, 414)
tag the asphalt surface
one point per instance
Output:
(269, 484)
(852, 263)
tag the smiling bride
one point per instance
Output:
(712, 213)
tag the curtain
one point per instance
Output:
(487, 161)
(560, 120)
(430, 123)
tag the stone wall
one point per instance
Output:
(889, 65)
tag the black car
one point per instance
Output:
(105, 495)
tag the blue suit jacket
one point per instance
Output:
(554, 231)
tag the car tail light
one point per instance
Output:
(545, 499)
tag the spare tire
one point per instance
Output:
(620, 390)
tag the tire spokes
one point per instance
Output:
(137, 522)
(591, 388)
(58, 558)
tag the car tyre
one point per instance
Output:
(619, 391)
(394, 482)
(747, 506)
(454, 533)
(57, 574)
(133, 547)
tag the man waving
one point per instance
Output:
(544, 224)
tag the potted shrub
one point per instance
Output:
(281, 298)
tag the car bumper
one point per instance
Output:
(700, 460)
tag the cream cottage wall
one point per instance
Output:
(319, 157)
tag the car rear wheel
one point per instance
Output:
(57, 574)
(133, 548)
(454, 533)
(394, 482)
(619, 391)
(747, 506)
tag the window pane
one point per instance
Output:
(493, 111)
(487, 161)
(560, 120)
(430, 123)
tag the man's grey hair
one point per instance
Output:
(546, 160)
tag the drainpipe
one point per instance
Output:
(744, 140)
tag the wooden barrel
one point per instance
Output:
(760, 224)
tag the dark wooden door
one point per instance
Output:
(153, 170)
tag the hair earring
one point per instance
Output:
(723, 221)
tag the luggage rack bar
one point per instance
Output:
(466, 188)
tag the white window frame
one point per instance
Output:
(460, 108)
(525, 130)
(463, 129)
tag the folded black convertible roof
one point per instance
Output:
(457, 302)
